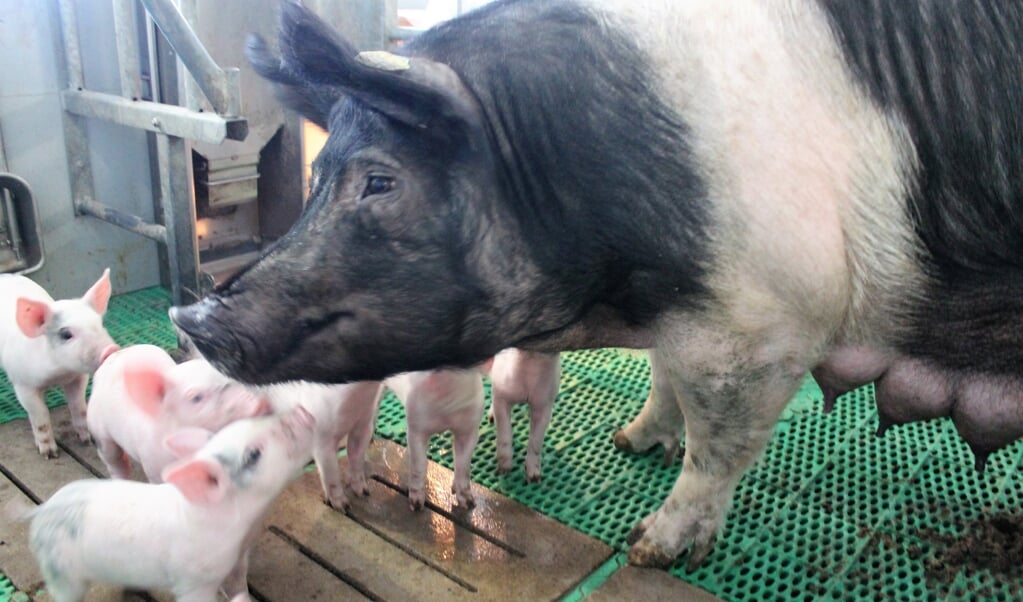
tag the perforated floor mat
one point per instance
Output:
(829, 512)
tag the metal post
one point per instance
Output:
(219, 85)
(75, 137)
(127, 48)
(178, 203)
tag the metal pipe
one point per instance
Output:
(178, 204)
(219, 85)
(11, 184)
(72, 50)
(121, 219)
(126, 38)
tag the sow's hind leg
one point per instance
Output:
(731, 396)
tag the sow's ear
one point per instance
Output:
(417, 92)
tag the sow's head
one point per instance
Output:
(403, 258)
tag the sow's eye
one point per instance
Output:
(65, 334)
(378, 185)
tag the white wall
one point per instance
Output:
(76, 249)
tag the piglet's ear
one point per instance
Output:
(201, 481)
(31, 316)
(185, 442)
(99, 294)
(146, 386)
(418, 92)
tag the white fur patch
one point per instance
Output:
(807, 178)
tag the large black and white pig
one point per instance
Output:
(754, 190)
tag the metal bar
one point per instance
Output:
(13, 230)
(219, 85)
(190, 95)
(76, 139)
(176, 198)
(72, 51)
(121, 219)
(155, 116)
(126, 38)
(3, 152)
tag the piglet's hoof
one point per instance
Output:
(48, 450)
(338, 506)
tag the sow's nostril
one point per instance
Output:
(186, 318)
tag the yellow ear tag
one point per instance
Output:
(383, 60)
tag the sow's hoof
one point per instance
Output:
(622, 442)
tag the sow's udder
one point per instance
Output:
(986, 409)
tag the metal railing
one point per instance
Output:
(174, 126)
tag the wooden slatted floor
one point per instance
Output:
(500, 550)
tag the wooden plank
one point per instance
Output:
(634, 583)
(354, 552)
(84, 454)
(15, 559)
(499, 550)
(278, 571)
(42, 477)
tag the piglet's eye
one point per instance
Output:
(378, 185)
(65, 334)
(251, 457)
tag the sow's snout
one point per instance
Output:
(204, 323)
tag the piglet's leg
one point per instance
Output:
(325, 456)
(417, 460)
(359, 439)
(539, 420)
(660, 420)
(63, 587)
(74, 393)
(39, 417)
(465, 442)
(730, 405)
(200, 594)
(236, 583)
(501, 411)
(115, 459)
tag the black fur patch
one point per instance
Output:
(952, 71)
(596, 168)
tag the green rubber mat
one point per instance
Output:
(829, 512)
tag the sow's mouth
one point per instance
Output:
(254, 354)
(217, 342)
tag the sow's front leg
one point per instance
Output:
(731, 399)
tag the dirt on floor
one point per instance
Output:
(993, 543)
